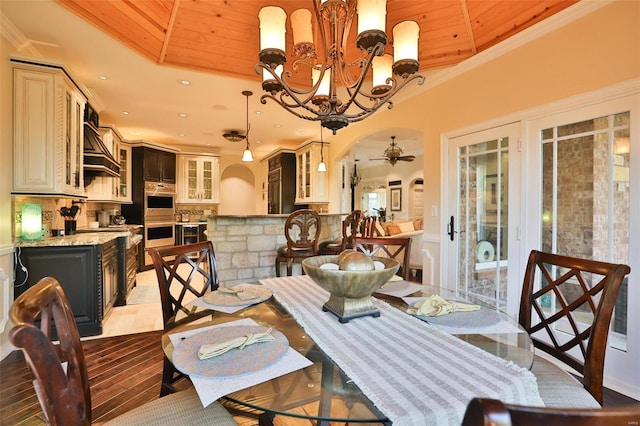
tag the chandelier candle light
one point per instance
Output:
(328, 65)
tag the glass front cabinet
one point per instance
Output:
(312, 185)
(198, 179)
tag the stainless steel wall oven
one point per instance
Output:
(159, 201)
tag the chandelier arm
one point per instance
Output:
(292, 91)
(315, 117)
(290, 107)
(358, 88)
(345, 77)
(386, 99)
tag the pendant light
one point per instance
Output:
(247, 156)
(322, 167)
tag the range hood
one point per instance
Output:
(98, 161)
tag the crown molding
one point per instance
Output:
(16, 38)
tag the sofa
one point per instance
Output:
(408, 229)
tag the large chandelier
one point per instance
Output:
(327, 62)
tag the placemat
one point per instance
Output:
(211, 389)
(249, 294)
(393, 285)
(233, 363)
(481, 318)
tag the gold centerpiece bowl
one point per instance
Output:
(350, 290)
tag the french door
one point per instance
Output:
(481, 208)
(584, 192)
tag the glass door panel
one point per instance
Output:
(482, 252)
(480, 255)
(586, 202)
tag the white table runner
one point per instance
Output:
(414, 373)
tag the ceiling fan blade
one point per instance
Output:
(407, 158)
(372, 159)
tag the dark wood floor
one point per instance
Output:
(125, 372)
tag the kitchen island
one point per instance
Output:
(245, 245)
(91, 267)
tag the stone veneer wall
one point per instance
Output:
(245, 246)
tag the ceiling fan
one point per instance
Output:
(233, 136)
(393, 154)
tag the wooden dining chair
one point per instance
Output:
(569, 319)
(184, 273)
(368, 227)
(349, 229)
(61, 380)
(398, 248)
(491, 412)
(302, 231)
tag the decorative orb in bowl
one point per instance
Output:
(352, 286)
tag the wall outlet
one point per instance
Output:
(434, 211)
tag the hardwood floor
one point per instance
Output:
(125, 372)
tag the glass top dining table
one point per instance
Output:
(322, 391)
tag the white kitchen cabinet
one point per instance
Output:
(198, 179)
(48, 131)
(312, 185)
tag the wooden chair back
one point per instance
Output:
(583, 294)
(491, 412)
(302, 230)
(394, 247)
(369, 227)
(184, 273)
(62, 389)
(350, 228)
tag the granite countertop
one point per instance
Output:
(110, 228)
(80, 239)
(83, 237)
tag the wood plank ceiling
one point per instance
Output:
(222, 36)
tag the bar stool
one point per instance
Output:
(349, 229)
(302, 230)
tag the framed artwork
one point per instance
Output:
(396, 199)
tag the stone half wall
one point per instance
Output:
(245, 246)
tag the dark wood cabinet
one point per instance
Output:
(88, 275)
(129, 252)
(158, 166)
(281, 188)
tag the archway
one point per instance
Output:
(237, 191)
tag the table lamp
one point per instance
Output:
(31, 222)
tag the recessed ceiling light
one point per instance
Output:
(219, 107)
(258, 112)
(185, 82)
(182, 115)
(258, 141)
(181, 134)
(103, 77)
(125, 112)
(277, 126)
(137, 133)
